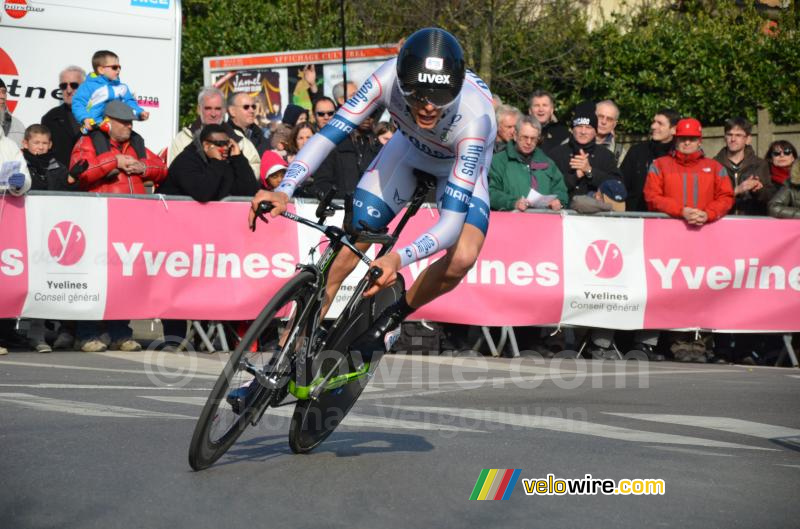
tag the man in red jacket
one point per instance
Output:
(686, 184)
(118, 162)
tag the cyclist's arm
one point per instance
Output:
(473, 158)
(373, 94)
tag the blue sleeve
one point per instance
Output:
(129, 100)
(80, 101)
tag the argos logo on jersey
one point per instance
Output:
(364, 98)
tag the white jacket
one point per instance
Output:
(9, 152)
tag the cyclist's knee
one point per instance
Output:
(459, 262)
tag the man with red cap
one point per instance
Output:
(686, 184)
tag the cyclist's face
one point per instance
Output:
(426, 115)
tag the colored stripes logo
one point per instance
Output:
(495, 484)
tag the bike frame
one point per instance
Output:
(339, 239)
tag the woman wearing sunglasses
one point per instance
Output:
(781, 156)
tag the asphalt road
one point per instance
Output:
(101, 440)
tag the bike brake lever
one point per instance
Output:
(262, 208)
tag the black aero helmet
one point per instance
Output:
(430, 67)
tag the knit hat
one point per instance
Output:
(614, 193)
(291, 114)
(271, 162)
(585, 114)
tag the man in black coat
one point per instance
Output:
(348, 161)
(212, 167)
(584, 164)
(64, 129)
(635, 166)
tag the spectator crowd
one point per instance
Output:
(89, 143)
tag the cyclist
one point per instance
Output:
(446, 124)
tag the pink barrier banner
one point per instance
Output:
(85, 257)
(13, 255)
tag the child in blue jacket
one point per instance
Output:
(99, 88)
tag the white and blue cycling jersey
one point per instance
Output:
(458, 151)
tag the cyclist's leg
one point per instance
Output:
(382, 192)
(445, 274)
(437, 279)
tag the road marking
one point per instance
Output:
(692, 451)
(788, 466)
(142, 371)
(194, 401)
(725, 424)
(94, 386)
(73, 407)
(574, 426)
(352, 420)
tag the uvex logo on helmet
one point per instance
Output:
(66, 243)
(433, 78)
(604, 259)
(430, 68)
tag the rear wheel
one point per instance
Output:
(238, 398)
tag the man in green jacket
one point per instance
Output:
(521, 172)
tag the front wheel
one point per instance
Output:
(237, 397)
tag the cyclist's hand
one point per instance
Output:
(390, 264)
(279, 203)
